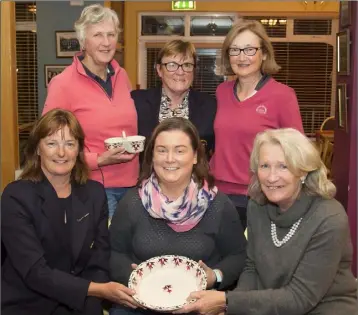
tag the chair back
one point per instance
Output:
(328, 124)
(327, 156)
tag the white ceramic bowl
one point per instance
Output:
(113, 143)
(132, 144)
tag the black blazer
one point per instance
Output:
(202, 111)
(36, 277)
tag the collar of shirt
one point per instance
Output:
(166, 101)
(166, 112)
(110, 71)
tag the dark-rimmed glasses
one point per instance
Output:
(248, 51)
(173, 66)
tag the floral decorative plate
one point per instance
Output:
(164, 283)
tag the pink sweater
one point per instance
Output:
(101, 117)
(237, 123)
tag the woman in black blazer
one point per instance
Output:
(54, 226)
(175, 66)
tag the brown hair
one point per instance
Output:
(269, 66)
(200, 169)
(301, 157)
(48, 124)
(177, 47)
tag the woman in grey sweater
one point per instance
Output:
(299, 247)
(177, 210)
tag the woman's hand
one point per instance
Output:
(207, 303)
(113, 291)
(114, 156)
(210, 274)
(134, 266)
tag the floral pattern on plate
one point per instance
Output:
(164, 283)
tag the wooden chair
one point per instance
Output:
(328, 124)
(327, 157)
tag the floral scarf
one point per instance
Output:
(182, 214)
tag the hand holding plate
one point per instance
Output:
(210, 274)
(206, 303)
(119, 294)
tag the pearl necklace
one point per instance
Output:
(290, 233)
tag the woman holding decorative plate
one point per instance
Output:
(176, 210)
(299, 247)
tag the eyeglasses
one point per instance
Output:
(248, 51)
(173, 66)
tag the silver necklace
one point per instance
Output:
(287, 237)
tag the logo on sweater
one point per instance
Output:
(261, 109)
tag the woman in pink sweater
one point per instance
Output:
(248, 105)
(97, 90)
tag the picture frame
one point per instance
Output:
(51, 71)
(67, 44)
(342, 106)
(345, 13)
(343, 52)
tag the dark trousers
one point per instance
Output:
(240, 202)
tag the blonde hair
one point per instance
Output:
(269, 66)
(94, 14)
(177, 47)
(48, 124)
(301, 156)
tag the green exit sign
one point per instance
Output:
(183, 5)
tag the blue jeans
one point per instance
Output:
(240, 202)
(113, 196)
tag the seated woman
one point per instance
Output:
(54, 228)
(177, 210)
(299, 247)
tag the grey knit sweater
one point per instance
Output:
(310, 274)
(218, 239)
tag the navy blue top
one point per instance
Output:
(105, 84)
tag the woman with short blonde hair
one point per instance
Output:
(251, 103)
(94, 14)
(299, 254)
(301, 157)
(97, 90)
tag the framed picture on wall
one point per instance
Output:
(51, 71)
(67, 44)
(342, 106)
(343, 52)
(344, 13)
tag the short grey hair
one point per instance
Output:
(301, 157)
(94, 14)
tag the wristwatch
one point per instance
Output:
(218, 280)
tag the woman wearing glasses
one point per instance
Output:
(175, 66)
(248, 105)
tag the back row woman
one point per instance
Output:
(246, 106)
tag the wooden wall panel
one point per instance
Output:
(9, 133)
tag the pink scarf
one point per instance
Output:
(181, 214)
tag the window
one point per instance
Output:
(210, 25)
(162, 25)
(307, 68)
(304, 48)
(26, 68)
